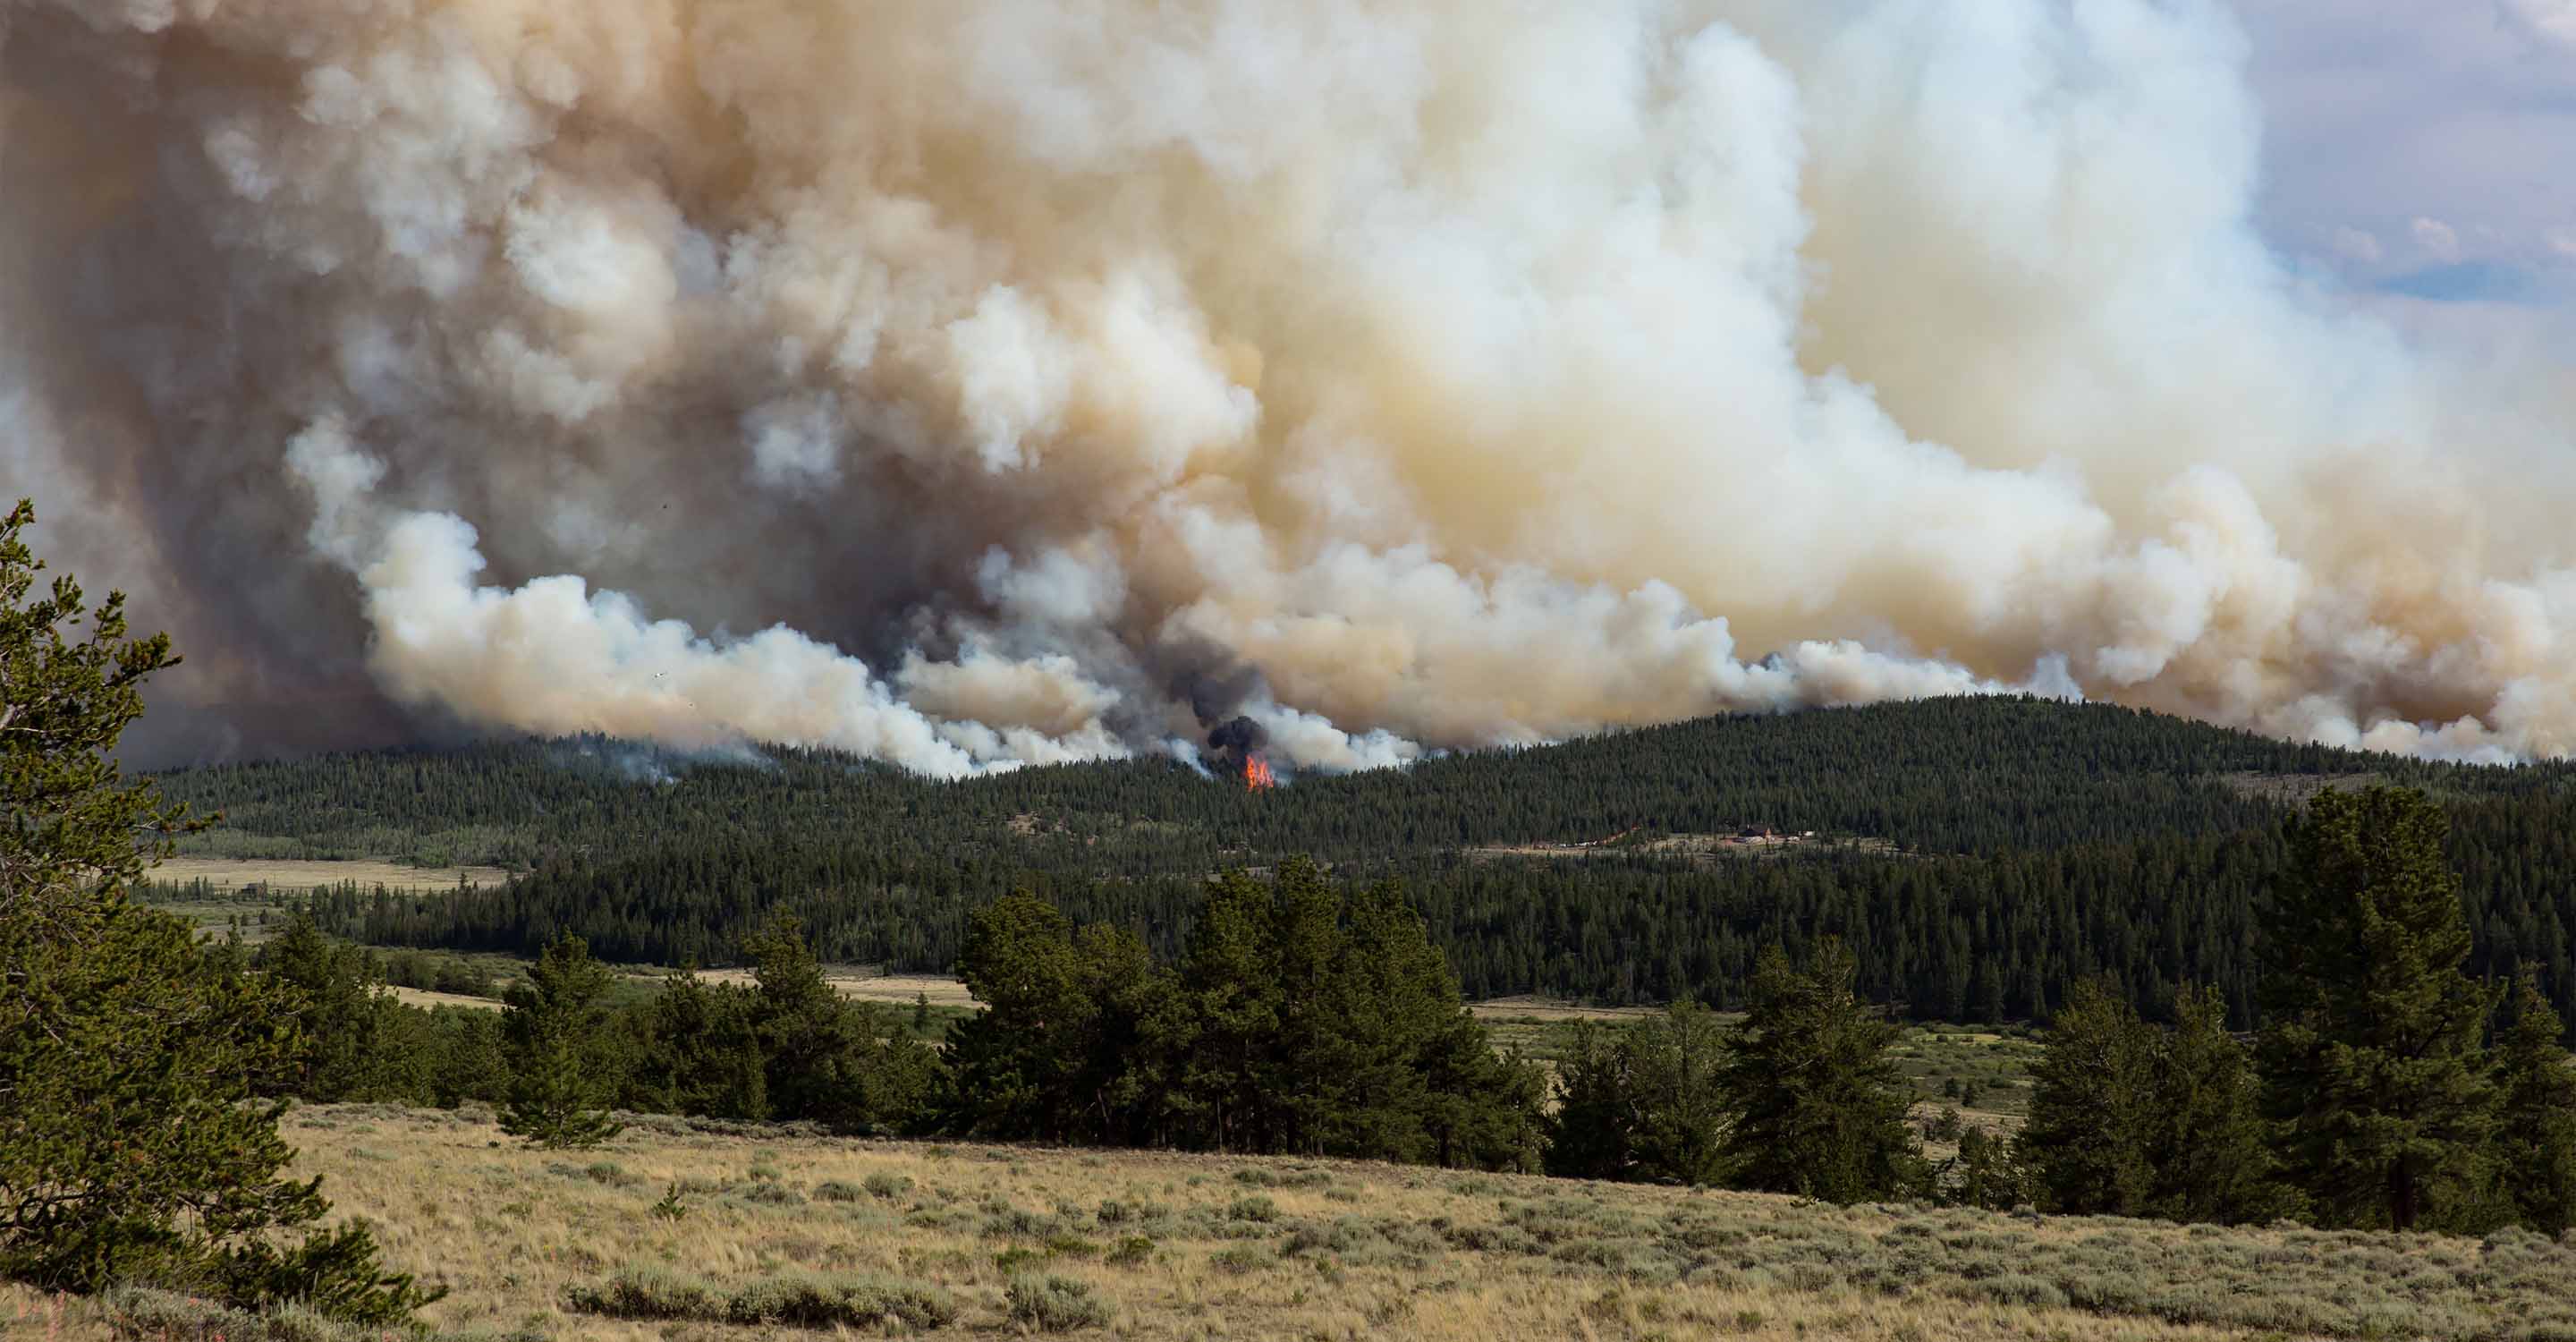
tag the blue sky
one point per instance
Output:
(2423, 153)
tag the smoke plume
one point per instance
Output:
(966, 384)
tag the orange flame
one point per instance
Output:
(1257, 775)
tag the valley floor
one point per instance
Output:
(1202, 1247)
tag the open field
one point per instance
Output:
(291, 874)
(860, 985)
(1155, 1246)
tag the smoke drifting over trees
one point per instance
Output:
(952, 382)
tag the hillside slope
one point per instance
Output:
(1159, 1246)
(2013, 845)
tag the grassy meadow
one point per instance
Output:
(774, 1232)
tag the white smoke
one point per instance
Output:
(1448, 373)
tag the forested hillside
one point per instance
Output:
(2018, 845)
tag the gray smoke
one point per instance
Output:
(981, 383)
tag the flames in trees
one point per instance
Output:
(1238, 744)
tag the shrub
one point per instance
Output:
(2022, 1289)
(1133, 1251)
(834, 1190)
(888, 1186)
(796, 1301)
(1256, 1208)
(772, 1195)
(1239, 1259)
(645, 1293)
(1055, 1304)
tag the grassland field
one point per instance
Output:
(866, 1238)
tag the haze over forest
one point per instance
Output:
(980, 384)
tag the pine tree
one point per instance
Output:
(1819, 1107)
(2535, 1141)
(1987, 1173)
(349, 1024)
(699, 1052)
(2370, 1055)
(129, 1149)
(2091, 1138)
(2213, 1161)
(1644, 1101)
(561, 1079)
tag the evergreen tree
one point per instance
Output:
(1056, 1052)
(128, 1052)
(1644, 1101)
(2370, 1054)
(561, 1075)
(2535, 1141)
(699, 1052)
(1987, 1173)
(829, 1059)
(2094, 1127)
(350, 1024)
(1225, 1021)
(2213, 1160)
(1819, 1107)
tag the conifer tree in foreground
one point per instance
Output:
(2535, 1142)
(1644, 1101)
(2093, 1113)
(2213, 1160)
(1819, 1105)
(561, 1080)
(2372, 1069)
(129, 1149)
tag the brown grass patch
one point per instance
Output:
(290, 874)
(1176, 1247)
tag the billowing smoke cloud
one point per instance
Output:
(981, 382)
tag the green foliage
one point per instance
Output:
(1054, 1304)
(1818, 1107)
(562, 1073)
(1303, 1017)
(1645, 1101)
(2211, 1148)
(2131, 1119)
(2535, 1134)
(2015, 847)
(1987, 1173)
(1055, 1054)
(351, 1028)
(2371, 1056)
(2091, 1139)
(699, 1052)
(129, 1054)
(797, 1301)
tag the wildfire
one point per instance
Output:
(1257, 775)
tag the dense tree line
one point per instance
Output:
(1947, 937)
(2388, 1089)
(2026, 846)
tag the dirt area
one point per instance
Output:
(2295, 789)
(423, 997)
(1689, 847)
(224, 873)
(1549, 1009)
(866, 987)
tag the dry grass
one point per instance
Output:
(226, 874)
(423, 997)
(865, 986)
(1177, 1247)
